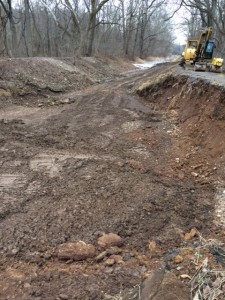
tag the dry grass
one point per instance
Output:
(155, 82)
(207, 283)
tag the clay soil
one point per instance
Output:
(80, 161)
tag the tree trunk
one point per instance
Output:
(91, 33)
(142, 36)
(49, 49)
(211, 13)
(14, 41)
(28, 29)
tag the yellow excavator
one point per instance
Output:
(200, 53)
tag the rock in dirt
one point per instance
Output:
(5, 93)
(109, 240)
(153, 248)
(118, 258)
(63, 297)
(191, 234)
(65, 101)
(37, 293)
(15, 251)
(178, 259)
(113, 250)
(101, 256)
(76, 251)
(185, 276)
(194, 174)
(110, 262)
(137, 165)
(127, 257)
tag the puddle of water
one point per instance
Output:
(12, 181)
(148, 65)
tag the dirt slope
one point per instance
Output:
(44, 77)
(104, 161)
(198, 107)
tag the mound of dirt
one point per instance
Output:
(21, 78)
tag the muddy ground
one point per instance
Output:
(141, 156)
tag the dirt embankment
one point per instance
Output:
(110, 161)
(198, 107)
(25, 80)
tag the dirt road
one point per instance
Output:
(96, 161)
(214, 78)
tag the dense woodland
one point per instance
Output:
(87, 27)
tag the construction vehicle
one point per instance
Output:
(200, 53)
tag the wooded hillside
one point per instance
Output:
(65, 28)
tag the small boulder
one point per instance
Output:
(113, 250)
(191, 234)
(110, 240)
(137, 165)
(101, 256)
(117, 258)
(178, 259)
(109, 262)
(63, 297)
(76, 251)
(5, 93)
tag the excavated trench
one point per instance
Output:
(142, 157)
(198, 108)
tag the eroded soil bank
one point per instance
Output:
(141, 157)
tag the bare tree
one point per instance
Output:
(7, 7)
(28, 29)
(83, 27)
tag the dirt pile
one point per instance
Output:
(24, 78)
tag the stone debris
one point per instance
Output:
(76, 251)
(110, 240)
(191, 234)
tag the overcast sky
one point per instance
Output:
(180, 34)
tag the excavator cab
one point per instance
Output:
(209, 50)
(206, 50)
